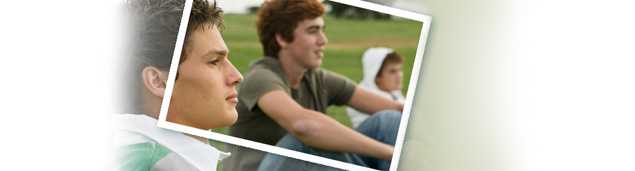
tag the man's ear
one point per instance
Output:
(283, 43)
(154, 80)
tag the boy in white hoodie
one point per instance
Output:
(383, 76)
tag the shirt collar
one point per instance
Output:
(199, 154)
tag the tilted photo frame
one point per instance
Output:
(412, 47)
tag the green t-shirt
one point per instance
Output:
(319, 88)
(142, 146)
(141, 156)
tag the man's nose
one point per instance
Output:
(323, 39)
(234, 75)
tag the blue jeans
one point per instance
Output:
(381, 126)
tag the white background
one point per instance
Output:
(553, 78)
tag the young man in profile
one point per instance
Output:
(286, 93)
(204, 90)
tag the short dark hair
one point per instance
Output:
(156, 25)
(202, 16)
(154, 29)
(391, 58)
(282, 17)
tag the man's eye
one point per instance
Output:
(313, 31)
(214, 62)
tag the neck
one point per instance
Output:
(178, 120)
(292, 70)
(151, 106)
(384, 89)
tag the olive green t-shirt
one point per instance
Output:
(319, 88)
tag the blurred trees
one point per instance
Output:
(346, 11)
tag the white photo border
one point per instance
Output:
(414, 77)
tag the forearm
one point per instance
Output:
(377, 106)
(325, 133)
(318, 130)
(370, 103)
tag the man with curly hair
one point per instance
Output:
(285, 94)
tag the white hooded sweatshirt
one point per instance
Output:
(371, 61)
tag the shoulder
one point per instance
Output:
(260, 78)
(140, 156)
(263, 76)
(327, 74)
(263, 71)
(328, 77)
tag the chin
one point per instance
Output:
(232, 118)
(315, 65)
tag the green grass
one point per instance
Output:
(348, 39)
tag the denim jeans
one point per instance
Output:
(381, 126)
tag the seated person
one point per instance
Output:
(382, 75)
(204, 89)
(286, 93)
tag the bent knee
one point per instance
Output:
(387, 117)
(388, 114)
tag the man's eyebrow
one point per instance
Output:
(217, 52)
(316, 27)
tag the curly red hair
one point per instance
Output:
(281, 17)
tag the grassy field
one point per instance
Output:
(348, 39)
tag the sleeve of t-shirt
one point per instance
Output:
(340, 89)
(256, 84)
